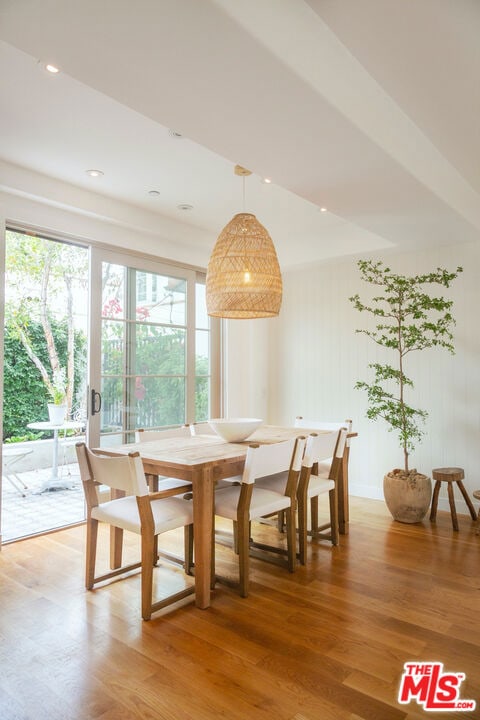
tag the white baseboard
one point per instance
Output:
(375, 493)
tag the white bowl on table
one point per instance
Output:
(235, 429)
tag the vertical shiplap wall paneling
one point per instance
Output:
(319, 357)
(247, 363)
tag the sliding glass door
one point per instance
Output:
(123, 340)
(44, 409)
(153, 351)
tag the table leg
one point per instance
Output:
(55, 482)
(202, 534)
(55, 456)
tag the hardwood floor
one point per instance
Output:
(326, 643)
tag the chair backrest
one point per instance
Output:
(326, 446)
(201, 428)
(320, 447)
(264, 460)
(149, 435)
(302, 422)
(119, 473)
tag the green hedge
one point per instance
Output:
(25, 397)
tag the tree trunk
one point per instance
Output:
(70, 343)
(47, 329)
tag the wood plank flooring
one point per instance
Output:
(326, 643)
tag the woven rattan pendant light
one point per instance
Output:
(243, 275)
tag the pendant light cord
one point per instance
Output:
(246, 272)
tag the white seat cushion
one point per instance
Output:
(168, 514)
(263, 502)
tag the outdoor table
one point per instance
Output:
(55, 482)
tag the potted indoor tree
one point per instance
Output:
(408, 319)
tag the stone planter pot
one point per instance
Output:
(407, 496)
(57, 413)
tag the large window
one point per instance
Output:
(158, 348)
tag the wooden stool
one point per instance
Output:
(450, 475)
(476, 495)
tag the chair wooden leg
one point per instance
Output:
(243, 533)
(147, 574)
(235, 537)
(116, 547)
(314, 515)
(334, 529)
(342, 495)
(213, 577)
(281, 521)
(302, 529)
(188, 548)
(291, 538)
(91, 552)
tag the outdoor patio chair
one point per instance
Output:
(10, 456)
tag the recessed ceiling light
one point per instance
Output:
(49, 67)
(267, 181)
(94, 173)
(322, 209)
(154, 193)
(175, 134)
(185, 206)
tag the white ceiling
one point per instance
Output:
(367, 107)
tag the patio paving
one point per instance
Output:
(41, 511)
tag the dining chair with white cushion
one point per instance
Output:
(324, 466)
(301, 422)
(311, 485)
(134, 509)
(248, 502)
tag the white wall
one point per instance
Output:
(316, 357)
(248, 366)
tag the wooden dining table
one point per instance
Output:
(202, 460)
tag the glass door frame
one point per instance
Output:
(99, 255)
